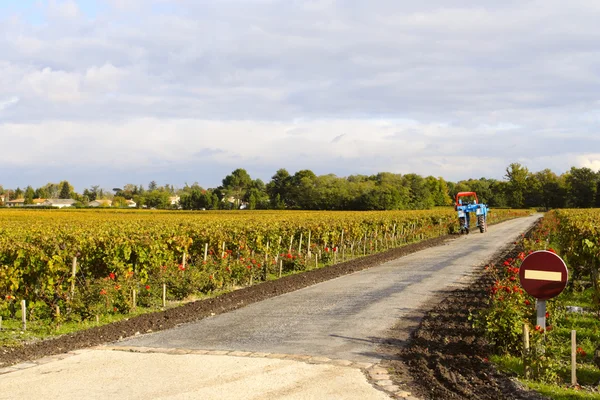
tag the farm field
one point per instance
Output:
(344, 319)
(89, 265)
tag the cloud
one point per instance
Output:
(450, 88)
(591, 161)
(4, 104)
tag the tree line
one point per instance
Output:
(304, 190)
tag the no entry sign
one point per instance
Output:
(543, 274)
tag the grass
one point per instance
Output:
(587, 326)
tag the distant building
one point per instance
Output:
(15, 203)
(131, 203)
(100, 203)
(59, 203)
(174, 200)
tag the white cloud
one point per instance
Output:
(4, 104)
(56, 86)
(591, 161)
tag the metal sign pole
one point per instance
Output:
(541, 314)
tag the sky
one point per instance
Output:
(110, 92)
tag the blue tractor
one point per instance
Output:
(466, 203)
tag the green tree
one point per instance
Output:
(546, 190)
(439, 191)
(156, 199)
(65, 190)
(236, 184)
(302, 190)
(420, 197)
(18, 193)
(119, 201)
(581, 186)
(516, 175)
(279, 189)
(29, 193)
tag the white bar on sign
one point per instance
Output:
(543, 275)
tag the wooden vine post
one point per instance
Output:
(573, 357)
(24, 314)
(266, 262)
(526, 365)
(73, 273)
(205, 251)
(342, 245)
(308, 246)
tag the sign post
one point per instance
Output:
(544, 275)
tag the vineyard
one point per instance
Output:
(77, 265)
(575, 235)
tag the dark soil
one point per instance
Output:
(446, 358)
(202, 308)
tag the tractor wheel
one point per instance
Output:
(481, 223)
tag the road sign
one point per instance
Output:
(543, 274)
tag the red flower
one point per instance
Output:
(115, 309)
(527, 303)
(326, 249)
(103, 292)
(335, 249)
(111, 276)
(210, 277)
(147, 287)
(506, 263)
(551, 250)
(181, 267)
(289, 255)
(117, 287)
(538, 328)
(512, 278)
(547, 315)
